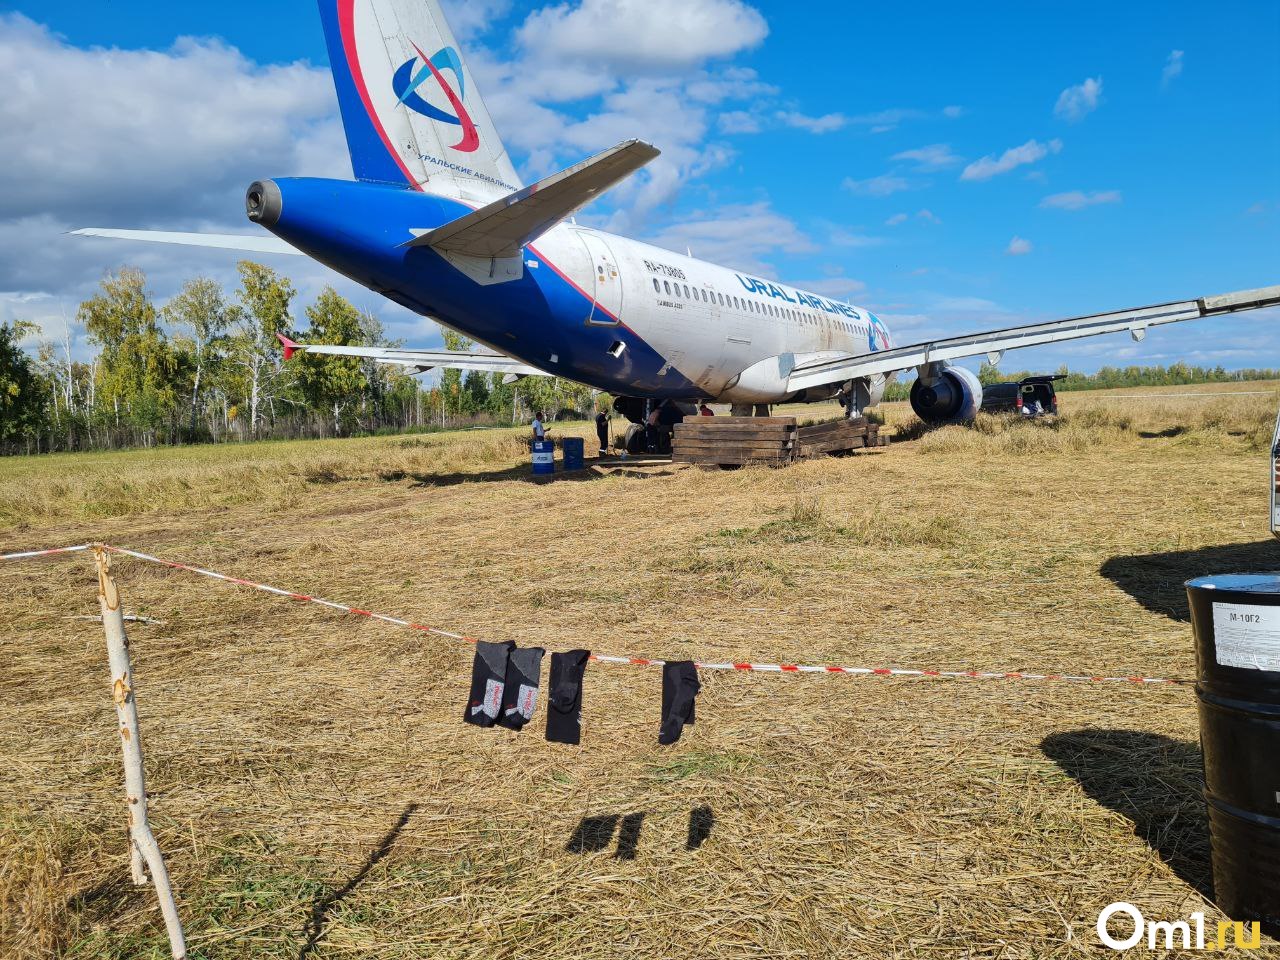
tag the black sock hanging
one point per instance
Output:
(680, 686)
(488, 677)
(564, 700)
(520, 692)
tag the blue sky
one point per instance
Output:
(955, 168)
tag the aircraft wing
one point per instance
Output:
(502, 228)
(995, 342)
(420, 361)
(259, 243)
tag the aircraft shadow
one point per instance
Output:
(1156, 580)
(1154, 781)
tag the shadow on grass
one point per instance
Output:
(314, 929)
(1156, 580)
(1153, 781)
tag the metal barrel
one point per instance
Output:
(1236, 623)
(544, 457)
(574, 452)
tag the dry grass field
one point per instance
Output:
(317, 795)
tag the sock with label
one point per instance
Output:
(680, 688)
(488, 675)
(564, 700)
(520, 692)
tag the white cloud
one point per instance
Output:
(148, 134)
(1075, 103)
(1018, 247)
(740, 236)
(928, 216)
(1172, 67)
(470, 18)
(840, 237)
(881, 186)
(953, 112)
(738, 121)
(1079, 199)
(1032, 151)
(823, 124)
(936, 156)
(643, 34)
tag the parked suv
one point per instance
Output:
(1022, 397)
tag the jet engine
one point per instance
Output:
(946, 394)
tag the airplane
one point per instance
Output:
(438, 221)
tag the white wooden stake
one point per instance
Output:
(142, 843)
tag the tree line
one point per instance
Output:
(1111, 378)
(207, 367)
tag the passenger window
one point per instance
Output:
(668, 286)
(656, 288)
(687, 294)
(705, 298)
(721, 296)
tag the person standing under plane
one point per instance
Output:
(602, 431)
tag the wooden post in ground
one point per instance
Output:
(142, 844)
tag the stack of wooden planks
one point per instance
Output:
(733, 441)
(838, 436)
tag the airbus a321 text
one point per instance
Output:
(438, 221)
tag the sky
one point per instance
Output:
(954, 168)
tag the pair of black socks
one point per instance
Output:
(504, 685)
(680, 686)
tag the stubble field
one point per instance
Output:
(317, 795)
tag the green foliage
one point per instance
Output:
(333, 384)
(138, 366)
(21, 399)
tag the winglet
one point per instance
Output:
(289, 346)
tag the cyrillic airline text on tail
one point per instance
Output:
(409, 105)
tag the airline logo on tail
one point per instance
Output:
(877, 335)
(406, 84)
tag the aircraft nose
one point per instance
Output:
(263, 204)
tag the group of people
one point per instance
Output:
(602, 424)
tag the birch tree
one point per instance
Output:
(201, 309)
(264, 298)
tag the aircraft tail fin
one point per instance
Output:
(409, 105)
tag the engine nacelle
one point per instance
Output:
(951, 395)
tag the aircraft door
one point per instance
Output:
(606, 305)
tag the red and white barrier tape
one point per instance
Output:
(45, 553)
(601, 658)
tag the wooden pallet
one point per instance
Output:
(733, 441)
(838, 436)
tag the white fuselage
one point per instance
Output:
(734, 335)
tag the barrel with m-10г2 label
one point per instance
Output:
(1236, 622)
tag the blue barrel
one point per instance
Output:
(544, 457)
(574, 454)
(1236, 620)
